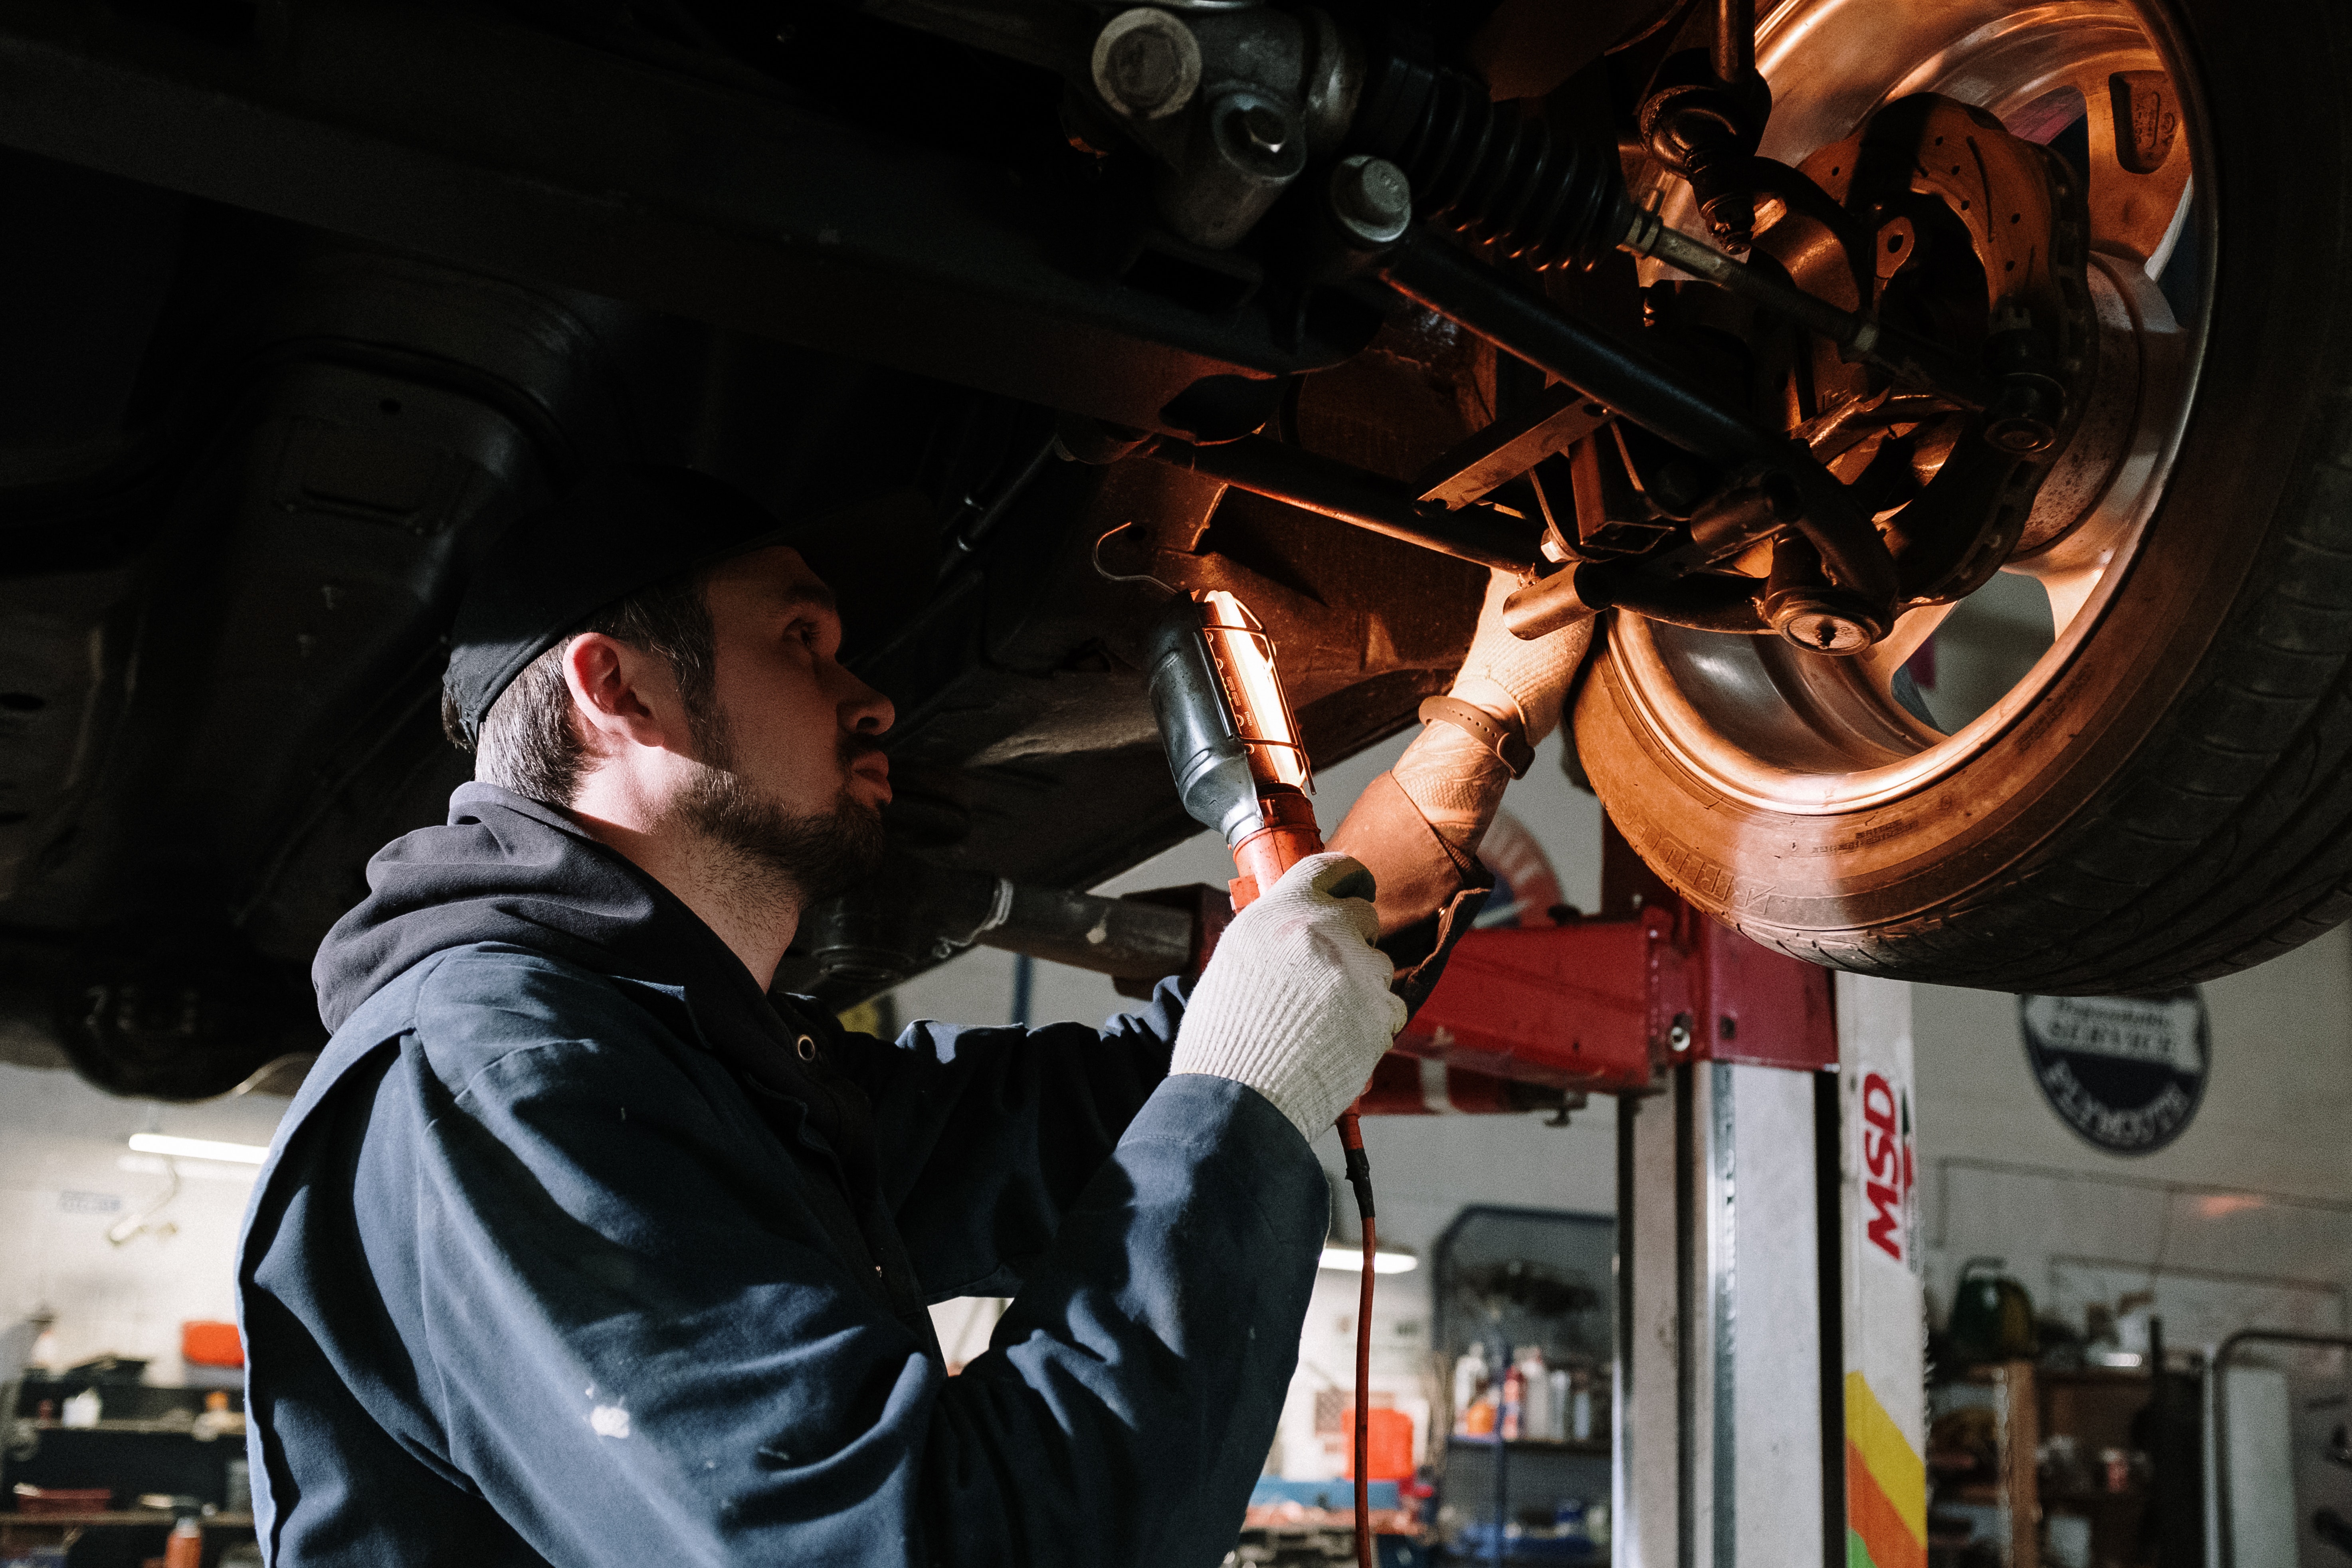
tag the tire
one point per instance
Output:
(2170, 801)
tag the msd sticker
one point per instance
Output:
(1885, 1169)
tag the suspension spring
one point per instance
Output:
(1499, 173)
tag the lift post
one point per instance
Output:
(1771, 1385)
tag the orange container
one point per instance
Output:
(1388, 1443)
(211, 1344)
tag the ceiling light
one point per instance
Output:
(198, 1148)
(1351, 1258)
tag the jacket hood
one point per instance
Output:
(507, 869)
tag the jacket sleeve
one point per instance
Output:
(639, 1353)
(987, 1136)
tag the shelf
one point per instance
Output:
(1342, 1522)
(123, 1517)
(183, 1427)
(1596, 1447)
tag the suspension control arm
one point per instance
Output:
(1516, 319)
(1352, 495)
(1771, 475)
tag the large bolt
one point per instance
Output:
(1819, 628)
(1372, 198)
(1147, 64)
(1822, 619)
(2024, 418)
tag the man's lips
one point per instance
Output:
(872, 765)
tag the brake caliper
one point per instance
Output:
(1952, 229)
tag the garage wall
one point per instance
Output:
(67, 1174)
(2245, 1218)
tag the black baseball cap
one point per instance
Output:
(623, 527)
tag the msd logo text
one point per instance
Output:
(1886, 1169)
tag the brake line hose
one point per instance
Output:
(1359, 1177)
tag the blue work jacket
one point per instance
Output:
(575, 1249)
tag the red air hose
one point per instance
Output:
(1360, 1176)
(1276, 852)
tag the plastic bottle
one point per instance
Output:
(1535, 1407)
(1514, 1395)
(1559, 1381)
(185, 1549)
(1469, 1383)
(1580, 1411)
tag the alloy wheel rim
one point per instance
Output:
(1785, 731)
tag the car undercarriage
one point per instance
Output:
(1045, 310)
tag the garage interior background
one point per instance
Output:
(2246, 1218)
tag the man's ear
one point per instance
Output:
(623, 695)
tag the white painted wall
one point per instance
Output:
(67, 1174)
(2253, 1197)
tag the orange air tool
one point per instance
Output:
(1240, 769)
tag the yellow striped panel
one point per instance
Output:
(1900, 1473)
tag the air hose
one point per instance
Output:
(1359, 1177)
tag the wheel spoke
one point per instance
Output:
(1892, 652)
(2139, 162)
(2095, 501)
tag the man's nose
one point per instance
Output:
(864, 711)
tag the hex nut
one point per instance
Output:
(1147, 64)
(1372, 198)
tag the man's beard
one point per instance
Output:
(816, 854)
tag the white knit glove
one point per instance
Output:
(1295, 1001)
(1448, 772)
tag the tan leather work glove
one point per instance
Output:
(1452, 776)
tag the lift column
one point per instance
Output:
(1771, 1391)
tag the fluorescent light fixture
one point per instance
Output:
(1351, 1258)
(198, 1148)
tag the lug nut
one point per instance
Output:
(1147, 64)
(1372, 198)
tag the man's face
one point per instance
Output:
(802, 730)
(794, 776)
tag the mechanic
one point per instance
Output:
(578, 1246)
